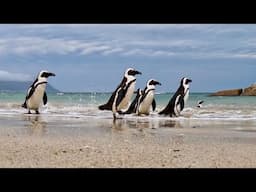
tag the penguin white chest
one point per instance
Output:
(126, 100)
(36, 99)
(145, 105)
(186, 96)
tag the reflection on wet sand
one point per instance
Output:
(170, 124)
(41, 125)
(36, 125)
(123, 124)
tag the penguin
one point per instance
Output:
(120, 98)
(36, 92)
(147, 99)
(133, 107)
(199, 103)
(179, 99)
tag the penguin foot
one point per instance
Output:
(37, 112)
(116, 117)
(29, 112)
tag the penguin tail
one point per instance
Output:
(163, 112)
(105, 107)
(121, 112)
(124, 112)
(24, 105)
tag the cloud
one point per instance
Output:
(163, 53)
(94, 49)
(115, 50)
(153, 48)
(8, 76)
(180, 48)
(39, 45)
(154, 40)
(167, 43)
(136, 52)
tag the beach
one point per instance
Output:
(48, 141)
(78, 77)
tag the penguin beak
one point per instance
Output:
(157, 83)
(51, 74)
(137, 73)
(189, 80)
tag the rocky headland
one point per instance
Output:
(248, 91)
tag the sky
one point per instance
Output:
(93, 57)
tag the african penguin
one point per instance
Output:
(147, 99)
(178, 101)
(36, 92)
(199, 103)
(120, 98)
(133, 107)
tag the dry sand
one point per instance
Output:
(46, 142)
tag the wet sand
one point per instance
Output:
(41, 141)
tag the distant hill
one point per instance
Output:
(17, 86)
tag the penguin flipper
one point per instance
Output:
(31, 89)
(181, 103)
(45, 98)
(120, 96)
(154, 104)
(29, 94)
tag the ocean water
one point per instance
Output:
(86, 105)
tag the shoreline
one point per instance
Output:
(50, 142)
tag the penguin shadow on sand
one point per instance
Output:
(36, 126)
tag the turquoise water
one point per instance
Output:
(99, 98)
(85, 104)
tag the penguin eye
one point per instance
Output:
(186, 81)
(43, 74)
(130, 72)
